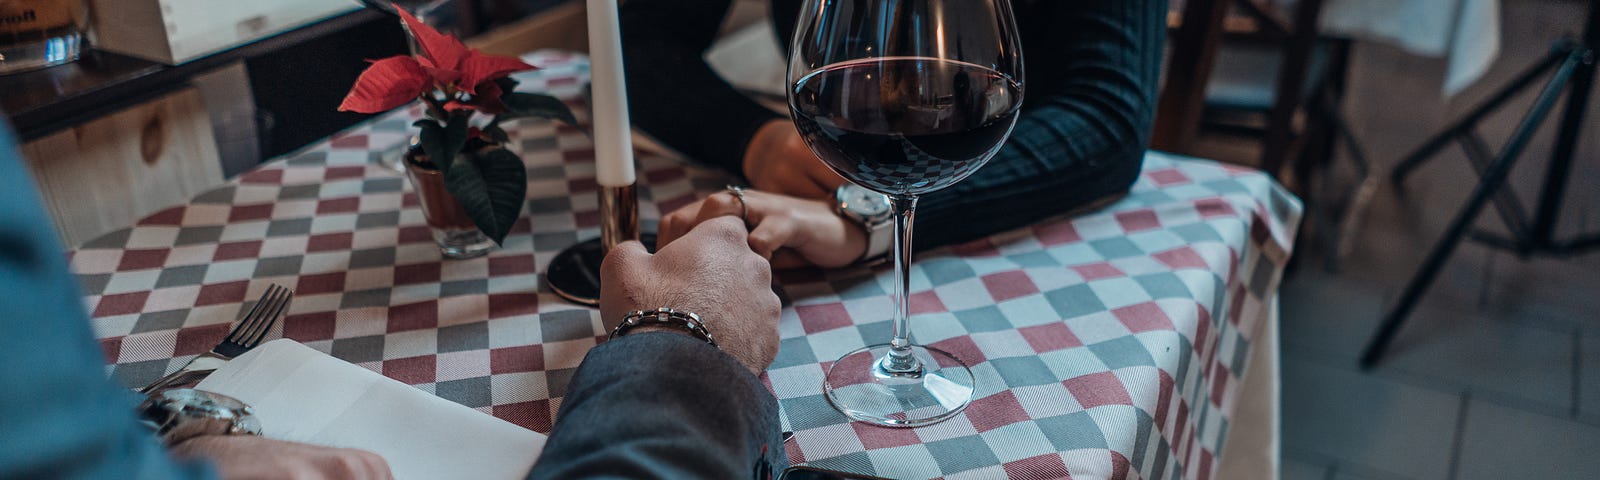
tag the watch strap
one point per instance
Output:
(879, 229)
(880, 240)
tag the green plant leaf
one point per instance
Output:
(507, 84)
(496, 133)
(491, 188)
(523, 105)
(431, 139)
(443, 142)
(455, 135)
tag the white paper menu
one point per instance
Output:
(303, 395)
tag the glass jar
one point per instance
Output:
(40, 33)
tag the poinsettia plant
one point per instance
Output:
(455, 83)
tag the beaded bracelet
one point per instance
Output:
(664, 316)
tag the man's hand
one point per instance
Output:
(250, 457)
(791, 231)
(778, 160)
(710, 271)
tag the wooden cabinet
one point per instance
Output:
(112, 138)
(107, 173)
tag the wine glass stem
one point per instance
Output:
(900, 358)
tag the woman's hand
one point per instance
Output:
(790, 231)
(779, 161)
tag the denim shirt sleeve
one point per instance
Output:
(60, 417)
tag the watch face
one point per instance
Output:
(864, 202)
(180, 414)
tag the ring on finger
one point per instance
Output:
(744, 208)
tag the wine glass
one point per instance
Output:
(904, 97)
(420, 8)
(425, 10)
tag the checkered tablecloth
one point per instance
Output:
(1109, 345)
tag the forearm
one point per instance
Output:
(59, 416)
(673, 94)
(662, 405)
(1093, 73)
(1020, 187)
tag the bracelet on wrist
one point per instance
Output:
(666, 317)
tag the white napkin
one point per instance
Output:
(303, 395)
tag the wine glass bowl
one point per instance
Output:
(905, 126)
(904, 97)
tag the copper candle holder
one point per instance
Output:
(575, 272)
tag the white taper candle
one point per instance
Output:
(613, 140)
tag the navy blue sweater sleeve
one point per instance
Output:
(1092, 70)
(663, 405)
(60, 417)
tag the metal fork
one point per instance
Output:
(248, 333)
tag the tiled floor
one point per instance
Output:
(1497, 373)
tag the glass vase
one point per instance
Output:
(453, 230)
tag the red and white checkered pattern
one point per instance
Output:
(1104, 346)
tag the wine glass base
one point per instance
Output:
(859, 386)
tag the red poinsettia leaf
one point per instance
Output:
(478, 69)
(488, 98)
(457, 105)
(440, 76)
(388, 83)
(445, 50)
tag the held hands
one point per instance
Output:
(791, 231)
(778, 160)
(713, 273)
(251, 457)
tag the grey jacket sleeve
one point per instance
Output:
(60, 417)
(663, 405)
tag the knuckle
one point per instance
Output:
(303, 472)
(620, 259)
(758, 266)
(354, 461)
(727, 229)
(369, 458)
(774, 305)
(718, 201)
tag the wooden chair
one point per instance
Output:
(1234, 59)
(1194, 40)
(1203, 30)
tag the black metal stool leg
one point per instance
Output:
(1415, 159)
(1493, 178)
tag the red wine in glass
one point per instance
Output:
(905, 139)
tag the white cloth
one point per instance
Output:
(1464, 32)
(751, 60)
(303, 395)
(1251, 450)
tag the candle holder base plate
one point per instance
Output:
(575, 272)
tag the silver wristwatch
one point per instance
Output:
(183, 413)
(870, 210)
